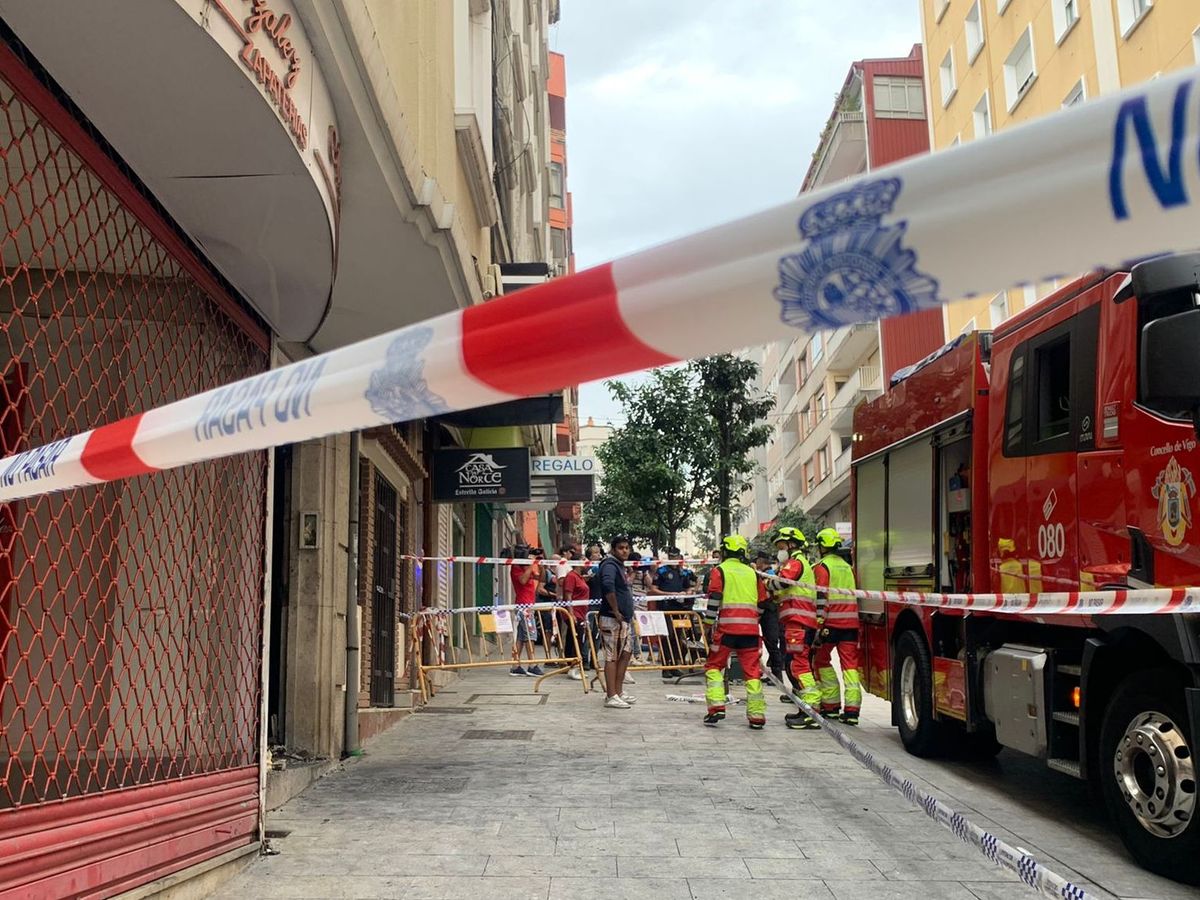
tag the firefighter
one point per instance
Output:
(837, 616)
(736, 588)
(798, 616)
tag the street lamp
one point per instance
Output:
(781, 501)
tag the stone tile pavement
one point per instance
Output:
(494, 794)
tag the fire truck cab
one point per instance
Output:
(1059, 453)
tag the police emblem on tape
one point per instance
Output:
(398, 390)
(854, 268)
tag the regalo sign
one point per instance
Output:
(481, 475)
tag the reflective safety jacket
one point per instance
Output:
(797, 605)
(739, 598)
(840, 611)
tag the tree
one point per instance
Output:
(656, 465)
(733, 414)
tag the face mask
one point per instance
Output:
(782, 555)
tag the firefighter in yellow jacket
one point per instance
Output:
(736, 587)
(837, 615)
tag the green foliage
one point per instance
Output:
(684, 449)
(735, 426)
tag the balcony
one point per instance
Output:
(849, 347)
(843, 152)
(863, 384)
(825, 495)
(841, 465)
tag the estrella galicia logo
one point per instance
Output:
(398, 391)
(854, 268)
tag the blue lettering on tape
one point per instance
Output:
(853, 268)
(260, 401)
(1168, 186)
(33, 465)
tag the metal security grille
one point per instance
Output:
(383, 611)
(130, 612)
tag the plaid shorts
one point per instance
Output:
(616, 636)
(527, 625)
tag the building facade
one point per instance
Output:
(879, 117)
(991, 64)
(231, 198)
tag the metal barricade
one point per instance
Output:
(484, 643)
(682, 649)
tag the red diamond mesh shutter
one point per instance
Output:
(130, 613)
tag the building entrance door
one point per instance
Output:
(383, 598)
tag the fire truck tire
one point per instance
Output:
(912, 698)
(1148, 773)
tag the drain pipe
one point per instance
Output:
(353, 642)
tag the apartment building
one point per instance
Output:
(879, 117)
(991, 64)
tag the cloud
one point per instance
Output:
(682, 114)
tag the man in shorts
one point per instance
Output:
(616, 622)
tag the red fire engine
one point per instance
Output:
(1058, 453)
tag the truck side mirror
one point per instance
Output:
(1171, 362)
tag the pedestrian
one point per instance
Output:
(546, 594)
(616, 622)
(671, 579)
(574, 589)
(837, 619)
(771, 630)
(798, 616)
(525, 580)
(739, 592)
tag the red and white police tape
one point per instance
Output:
(1111, 181)
(1139, 601)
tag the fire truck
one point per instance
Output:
(1060, 452)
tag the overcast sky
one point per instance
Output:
(683, 114)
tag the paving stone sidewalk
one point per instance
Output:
(494, 793)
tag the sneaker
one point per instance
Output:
(615, 703)
(831, 714)
(801, 721)
(629, 679)
(518, 671)
(628, 698)
(850, 717)
(757, 724)
(713, 718)
(574, 675)
(535, 672)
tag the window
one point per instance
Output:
(939, 9)
(899, 98)
(1130, 14)
(998, 309)
(816, 348)
(1020, 70)
(805, 421)
(1196, 45)
(822, 464)
(983, 116)
(802, 369)
(556, 185)
(810, 480)
(822, 408)
(974, 29)
(1031, 297)
(1076, 96)
(946, 76)
(1065, 14)
(1156, 307)
(1014, 414)
(1001, 6)
(969, 327)
(957, 140)
(558, 246)
(1052, 369)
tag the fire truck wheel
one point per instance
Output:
(913, 697)
(1148, 773)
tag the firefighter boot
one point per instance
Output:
(801, 721)
(853, 692)
(850, 716)
(756, 704)
(714, 693)
(714, 716)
